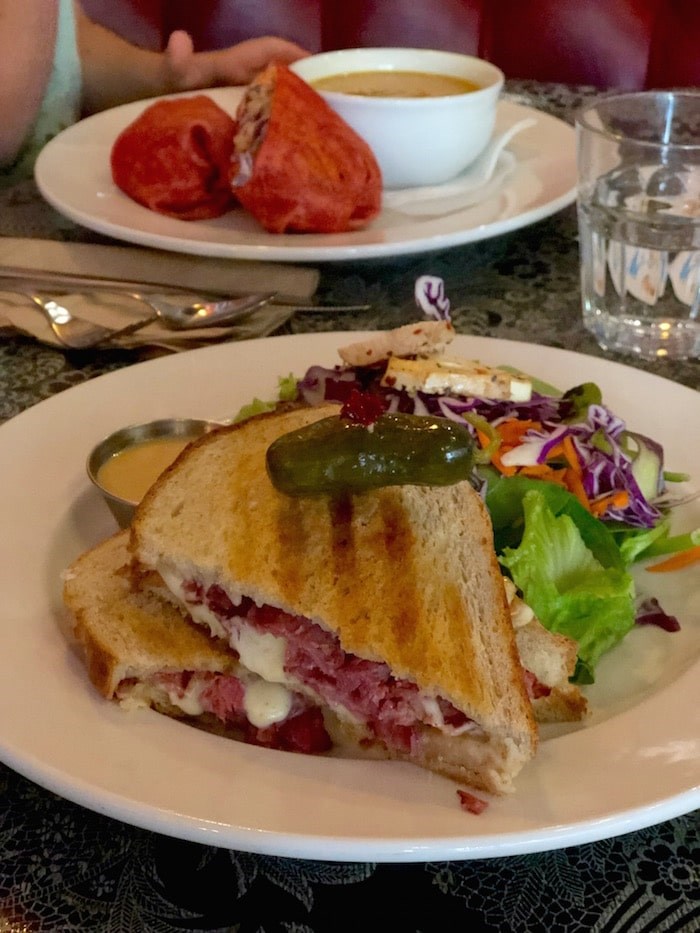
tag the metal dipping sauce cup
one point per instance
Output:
(638, 157)
(135, 435)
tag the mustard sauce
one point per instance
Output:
(131, 472)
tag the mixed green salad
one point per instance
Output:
(575, 496)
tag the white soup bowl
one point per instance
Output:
(416, 140)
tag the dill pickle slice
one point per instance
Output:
(334, 455)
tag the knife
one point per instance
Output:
(39, 278)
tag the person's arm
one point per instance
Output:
(115, 72)
(27, 41)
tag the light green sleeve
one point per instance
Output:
(61, 105)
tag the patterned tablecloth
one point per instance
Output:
(65, 868)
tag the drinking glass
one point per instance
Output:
(638, 157)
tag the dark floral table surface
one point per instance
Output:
(65, 868)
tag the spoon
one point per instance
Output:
(79, 334)
(471, 181)
(213, 313)
(180, 316)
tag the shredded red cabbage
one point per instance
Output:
(597, 438)
(431, 298)
(650, 612)
(321, 384)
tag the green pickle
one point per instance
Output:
(333, 455)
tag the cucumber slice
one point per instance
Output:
(647, 467)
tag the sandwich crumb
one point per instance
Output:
(470, 803)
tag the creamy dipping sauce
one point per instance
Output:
(131, 472)
(395, 84)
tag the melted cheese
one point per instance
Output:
(190, 701)
(204, 616)
(141, 696)
(260, 652)
(266, 703)
(200, 613)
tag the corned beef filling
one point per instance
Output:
(535, 688)
(224, 696)
(393, 710)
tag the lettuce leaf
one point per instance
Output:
(288, 388)
(642, 543)
(286, 392)
(568, 588)
(504, 500)
(255, 407)
(634, 543)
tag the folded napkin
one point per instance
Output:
(112, 309)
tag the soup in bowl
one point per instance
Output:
(426, 114)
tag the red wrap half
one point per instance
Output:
(175, 158)
(310, 171)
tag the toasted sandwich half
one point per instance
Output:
(386, 607)
(140, 651)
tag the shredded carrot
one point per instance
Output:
(563, 465)
(512, 430)
(501, 467)
(677, 561)
(537, 470)
(510, 433)
(570, 454)
(556, 452)
(484, 439)
(575, 485)
(565, 450)
(618, 499)
(559, 476)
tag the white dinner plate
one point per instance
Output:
(73, 174)
(636, 762)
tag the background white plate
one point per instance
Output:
(73, 174)
(634, 764)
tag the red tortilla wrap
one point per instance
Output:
(297, 165)
(175, 158)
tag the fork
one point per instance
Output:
(72, 332)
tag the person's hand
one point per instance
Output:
(187, 70)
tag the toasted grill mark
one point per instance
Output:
(293, 540)
(398, 543)
(396, 531)
(342, 534)
(343, 555)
